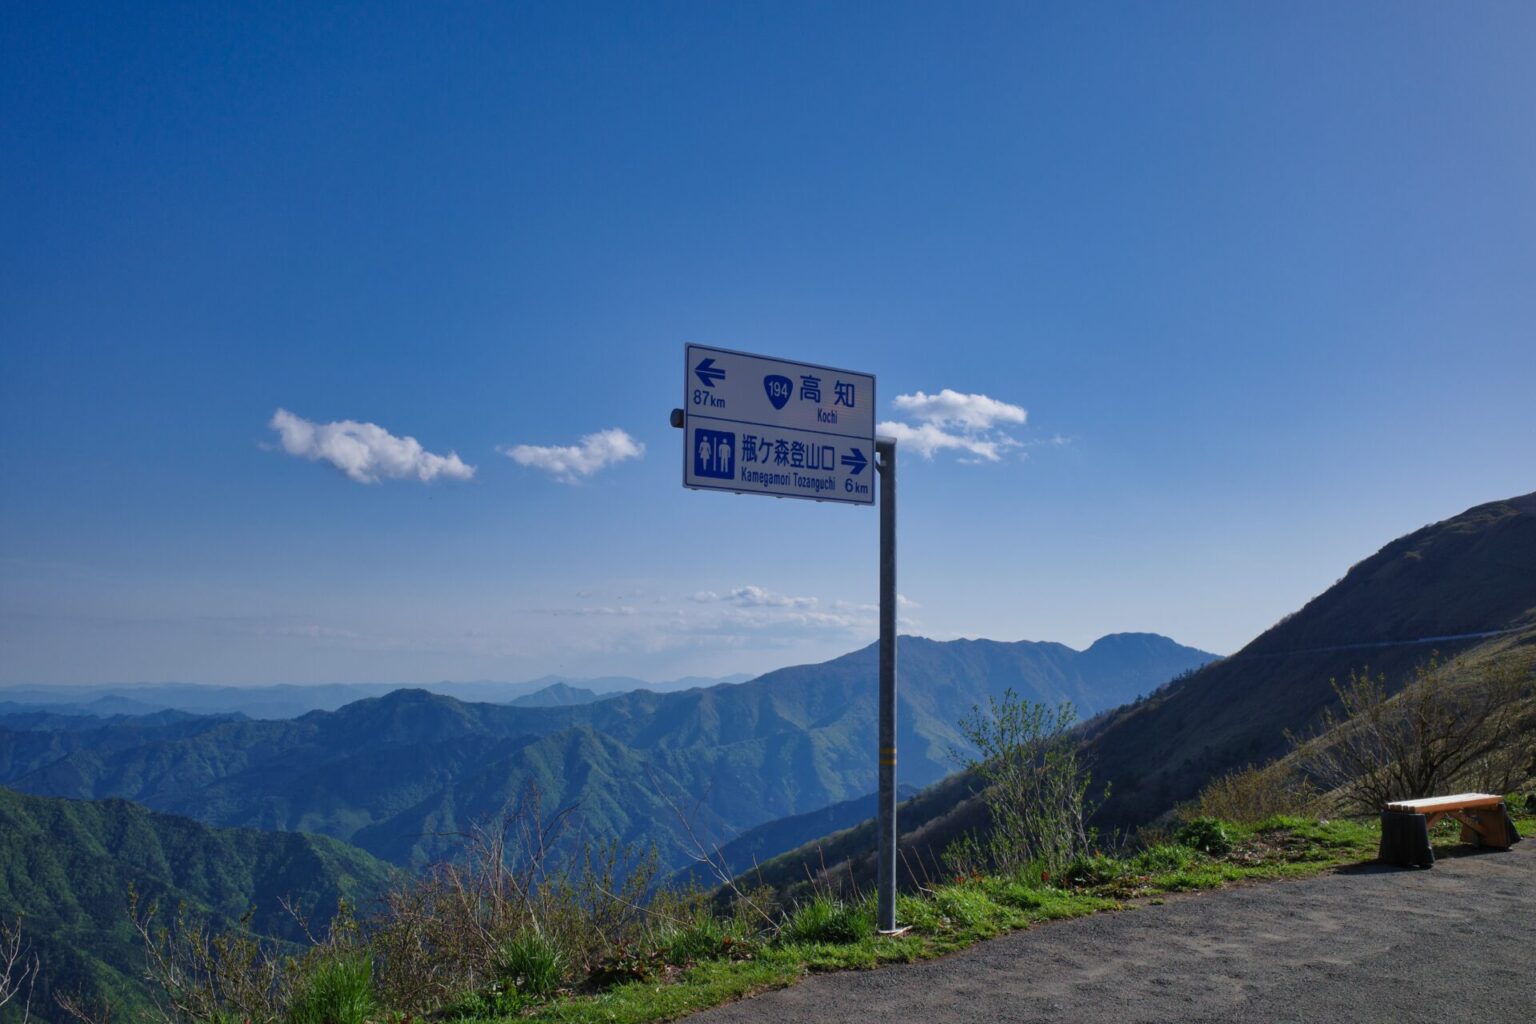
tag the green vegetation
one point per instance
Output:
(1036, 787)
(949, 916)
(67, 869)
(676, 957)
(337, 989)
(532, 965)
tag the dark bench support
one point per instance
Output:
(1405, 840)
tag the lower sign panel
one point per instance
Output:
(729, 456)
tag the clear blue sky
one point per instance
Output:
(1263, 277)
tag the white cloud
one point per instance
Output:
(365, 452)
(757, 597)
(951, 408)
(928, 438)
(951, 420)
(571, 463)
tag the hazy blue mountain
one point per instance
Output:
(289, 700)
(400, 773)
(555, 695)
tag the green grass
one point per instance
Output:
(829, 934)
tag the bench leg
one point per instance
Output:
(1405, 840)
(1489, 827)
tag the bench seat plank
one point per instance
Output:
(1435, 804)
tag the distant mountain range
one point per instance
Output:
(401, 774)
(66, 867)
(292, 700)
(1458, 586)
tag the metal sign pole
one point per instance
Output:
(759, 425)
(885, 455)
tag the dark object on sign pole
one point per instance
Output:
(885, 453)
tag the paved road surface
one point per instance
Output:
(1457, 942)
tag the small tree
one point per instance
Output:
(1453, 726)
(1037, 789)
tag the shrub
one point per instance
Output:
(1164, 857)
(1093, 869)
(1207, 835)
(1252, 794)
(335, 988)
(824, 918)
(443, 933)
(703, 938)
(532, 964)
(1453, 727)
(1037, 789)
(966, 905)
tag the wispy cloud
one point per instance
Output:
(365, 452)
(753, 608)
(572, 463)
(950, 420)
(754, 597)
(600, 612)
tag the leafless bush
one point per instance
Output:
(18, 969)
(1454, 726)
(442, 933)
(1252, 794)
(754, 910)
(199, 976)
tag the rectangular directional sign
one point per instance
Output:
(756, 425)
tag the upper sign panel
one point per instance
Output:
(758, 425)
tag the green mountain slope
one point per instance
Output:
(395, 774)
(66, 866)
(768, 840)
(1437, 588)
(1463, 586)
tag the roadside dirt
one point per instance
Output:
(1367, 944)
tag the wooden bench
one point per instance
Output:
(1405, 826)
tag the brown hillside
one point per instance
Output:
(1471, 574)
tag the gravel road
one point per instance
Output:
(1369, 944)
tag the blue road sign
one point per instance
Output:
(714, 454)
(778, 388)
(757, 425)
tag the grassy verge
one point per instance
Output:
(832, 935)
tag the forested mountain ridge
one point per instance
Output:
(399, 774)
(67, 866)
